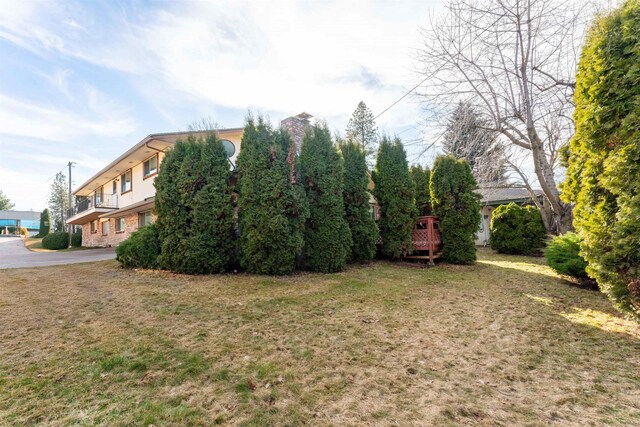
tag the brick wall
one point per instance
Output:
(113, 238)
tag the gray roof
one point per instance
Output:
(501, 195)
(21, 215)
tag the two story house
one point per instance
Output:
(120, 198)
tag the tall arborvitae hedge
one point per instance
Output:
(458, 207)
(271, 203)
(395, 193)
(356, 203)
(327, 238)
(45, 223)
(194, 208)
(603, 175)
(421, 178)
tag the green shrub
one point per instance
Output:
(56, 241)
(76, 239)
(194, 207)
(421, 178)
(563, 255)
(327, 238)
(271, 202)
(44, 223)
(516, 230)
(395, 192)
(356, 203)
(457, 205)
(141, 249)
(603, 173)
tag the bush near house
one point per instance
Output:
(76, 239)
(141, 249)
(194, 207)
(457, 205)
(364, 231)
(327, 238)
(56, 241)
(272, 206)
(516, 230)
(45, 222)
(603, 173)
(563, 255)
(395, 193)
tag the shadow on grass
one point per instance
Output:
(570, 301)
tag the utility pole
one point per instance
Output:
(70, 228)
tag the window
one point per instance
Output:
(119, 225)
(150, 166)
(94, 226)
(125, 182)
(115, 187)
(228, 147)
(144, 218)
(105, 228)
(98, 197)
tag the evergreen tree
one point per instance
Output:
(271, 203)
(458, 207)
(395, 193)
(327, 238)
(421, 178)
(5, 203)
(364, 231)
(466, 137)
(59, 201)
(362, 130)
(45, 223)
(603, 174)
(200, 239)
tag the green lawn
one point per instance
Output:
(504, 342)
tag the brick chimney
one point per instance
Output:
(296, 126)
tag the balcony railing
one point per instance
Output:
(106, 201)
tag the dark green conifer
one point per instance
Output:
(357, 207)
(327, 238)
(395, 193)
(45, 223)
(458, 207)
(421, 178)
(271, 203)
(200, 240)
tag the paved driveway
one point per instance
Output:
(13, 254)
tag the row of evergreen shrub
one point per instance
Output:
(309, 211)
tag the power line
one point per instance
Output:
(402, 97)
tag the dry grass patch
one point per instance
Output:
(504, 342)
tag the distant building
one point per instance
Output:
(12, 220)
(493, 197)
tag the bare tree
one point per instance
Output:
(204, 124)
(466, 137)
(514, 61)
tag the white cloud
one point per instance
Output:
(22, 118)
(282, 57)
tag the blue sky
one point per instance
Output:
(83, 81)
